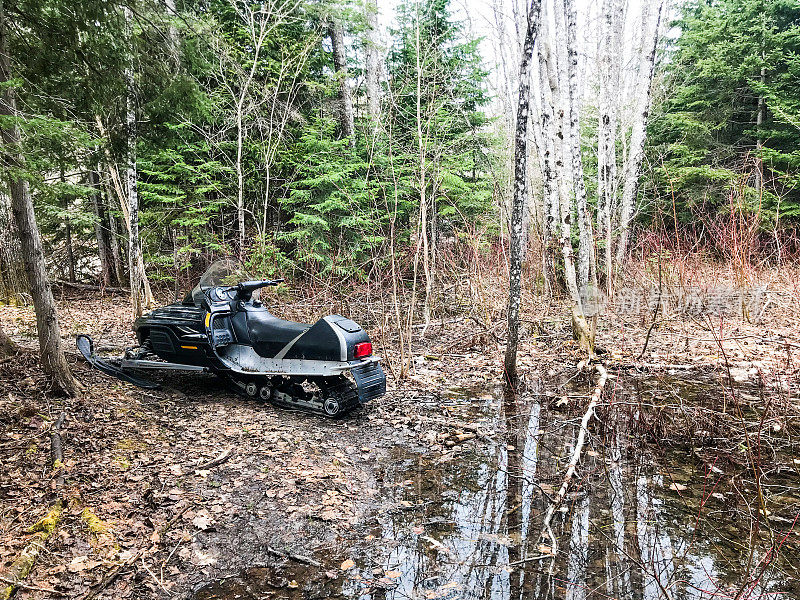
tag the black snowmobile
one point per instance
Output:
(221, 327)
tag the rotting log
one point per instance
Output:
(22, 567)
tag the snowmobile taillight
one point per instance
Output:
(363, 349)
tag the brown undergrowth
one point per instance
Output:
(712, 381)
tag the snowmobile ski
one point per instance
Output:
(86, 347)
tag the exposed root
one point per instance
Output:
(22, 567)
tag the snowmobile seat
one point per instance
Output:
(267, 333)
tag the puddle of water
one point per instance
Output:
(638, 523)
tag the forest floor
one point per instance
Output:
(299, 500)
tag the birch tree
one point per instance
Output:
(651, 22)
(141, 296)
(52, 356)
(547, 157)
(520, 187)
(609, 59)
(587, 272)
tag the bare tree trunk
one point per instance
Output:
(760, 141)
(13, 280)
(54, 363)
(423, 242)
(101, 229)
(520, 188)
(131, 179)
(587, 264)
(372, 60)
(633, 166)
(68, 236)
(141, 295)
(566, 191)
(547, 85)
(612, 23)
(346, 119)
(116, 246)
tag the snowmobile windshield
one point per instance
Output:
(227, 271)
(224, 272)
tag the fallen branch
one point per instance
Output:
(217, 461)
(35, 588)
(22, 567)
(93, 288)
(296, 557)
(558, 499)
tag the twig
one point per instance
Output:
(111, 576)
(35, 588)
(297, 557)
(217, 461)
(57, 449)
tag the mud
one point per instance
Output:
(641, 522)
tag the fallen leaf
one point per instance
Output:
(677, 487)
(348, 564)
(201, 559)
(202, 520)
(393, 574)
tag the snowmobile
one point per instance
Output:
(222, 327)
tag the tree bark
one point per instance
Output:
(520, 188)
(140, 290)
(587, 264)
(68, 236)
(633, 165)
(547, 87)
(53, 361)
(372, 61)
(346, 120)
(7, 346)
(100, 230)
(566, 188)
(610, 53)
(13, 280)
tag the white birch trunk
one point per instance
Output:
(547, 85)
(651, 23)
(609, 63)
(564, 173)
(587, 266)
(131, 177)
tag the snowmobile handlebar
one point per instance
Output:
(245, 289)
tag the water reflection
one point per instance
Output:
(636, 525)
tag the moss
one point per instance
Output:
(94, 523)
(47, 524)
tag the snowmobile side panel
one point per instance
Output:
(86, 347)
(322, 341)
